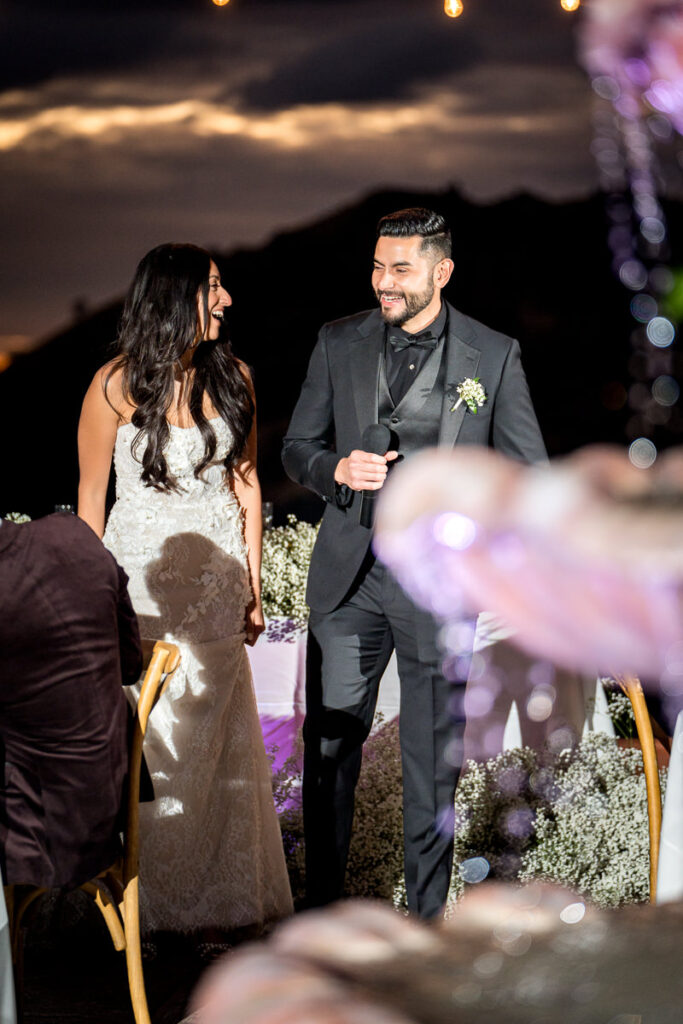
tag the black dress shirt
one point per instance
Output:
(404, 363)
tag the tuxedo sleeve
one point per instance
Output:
(515, 429)
(308, 452)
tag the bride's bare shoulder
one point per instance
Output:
(108, 386)
(246, 373)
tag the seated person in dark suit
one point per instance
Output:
(68, 641)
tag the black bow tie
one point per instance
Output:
(401, 341)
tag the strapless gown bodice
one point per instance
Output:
(184, 450)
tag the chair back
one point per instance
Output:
(164, 660)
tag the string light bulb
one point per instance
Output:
(453, 8)
(221, 3)
(570, 5)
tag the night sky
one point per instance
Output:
(124, 124)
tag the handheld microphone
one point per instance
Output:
(376, 439)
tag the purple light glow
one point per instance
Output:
(586, 581)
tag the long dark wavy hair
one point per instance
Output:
(159, 323)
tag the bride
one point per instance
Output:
(176, 410)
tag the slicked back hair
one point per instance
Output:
(428, 225)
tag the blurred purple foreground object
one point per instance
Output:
(582, 558)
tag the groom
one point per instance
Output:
(398, 367)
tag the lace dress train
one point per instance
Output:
(211, 851)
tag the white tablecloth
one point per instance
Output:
(670, 873)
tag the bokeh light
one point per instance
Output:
(221, 3)
(674, 659)
(539, 706)
(478, 701)
(519, 822)
(665, 390)
(455, 531)
(474, 870)
(642, 453)
(573, 913)
(644, 307)
(661, 332)
(453, 8)
(653, 229)
(488, 964)
(570, 5)
(633, 275)
(606, 87)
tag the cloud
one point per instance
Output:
(468, 102)
(382, 60)
(86, 196)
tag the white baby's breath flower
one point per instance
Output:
(588, 809)
(471, 393)
(286, 557)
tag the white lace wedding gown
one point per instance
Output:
(211, 852)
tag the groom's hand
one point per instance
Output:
(363, 471)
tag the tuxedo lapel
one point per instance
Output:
(462, 360)
(365, 356)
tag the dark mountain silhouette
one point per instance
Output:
(538, 271)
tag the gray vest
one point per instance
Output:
(414, 422)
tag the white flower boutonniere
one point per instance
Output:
(471, 393)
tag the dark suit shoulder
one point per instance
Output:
(349, 325)
(62, 527)
(66, 536)
(474, 333)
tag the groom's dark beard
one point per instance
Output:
(414, 303)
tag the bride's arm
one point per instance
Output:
(248, 492)
(96, 438)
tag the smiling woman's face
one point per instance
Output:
(218, 301)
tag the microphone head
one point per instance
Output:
(376, 439)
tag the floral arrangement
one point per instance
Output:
(286, 557)
(578, 818)
(17, 517)
(376, 856)
(375, 865)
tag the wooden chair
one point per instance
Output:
(634, 691)
(115, 891)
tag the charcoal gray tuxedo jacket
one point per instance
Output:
(339, 399)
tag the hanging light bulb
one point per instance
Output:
(570, 5)
(221, 3)
(453, 8)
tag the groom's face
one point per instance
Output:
(403, 279)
